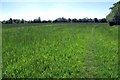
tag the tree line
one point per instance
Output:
(113, 18)
(58, 20)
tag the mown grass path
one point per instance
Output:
(90, 60)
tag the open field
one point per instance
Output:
(60, 50)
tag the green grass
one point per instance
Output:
(60, 51)
(0, 51)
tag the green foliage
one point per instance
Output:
(60, 51)
(114, 15)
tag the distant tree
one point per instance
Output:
(79, 20)
(39, 20)
(22, 21)
(90, 20)
(55, 21)
(63, 19)
(44, 21)
(74, 20)
(16, 21)
(58, 20)
(85, 20)
(35, 21)
(5, 22)
(96, 20)
(10, 21)
(69, 20)
(49, 21)
(103, 20)
(29, 21)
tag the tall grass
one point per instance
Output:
(60, 51)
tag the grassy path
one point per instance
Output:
(90, 58)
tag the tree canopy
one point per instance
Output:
(114, 15)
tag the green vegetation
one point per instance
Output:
(114, 15)
(0, 51)
(60, 50)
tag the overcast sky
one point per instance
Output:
(52, 10)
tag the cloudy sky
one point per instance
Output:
(30, 10)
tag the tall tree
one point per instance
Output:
(22, 21)
(39, 20)
(69, 20)
(10, 21)
(114, 16)
(96, 20)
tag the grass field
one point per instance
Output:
(60, 50)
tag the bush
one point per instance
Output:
(111, 23)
